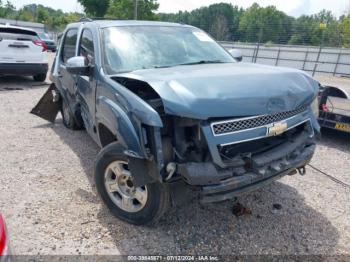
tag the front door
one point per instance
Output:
(67, 80)
(87, 84)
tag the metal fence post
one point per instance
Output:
(305, 58)
(278, 55)
(336, 64)
(317, 60)
(257, 51)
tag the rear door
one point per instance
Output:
(20, 46)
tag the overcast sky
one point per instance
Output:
(291, 7)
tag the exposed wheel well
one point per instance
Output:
(106, 136)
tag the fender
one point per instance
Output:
(118, 122)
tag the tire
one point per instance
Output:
(40, 77)
(155, 201)
(68, 117)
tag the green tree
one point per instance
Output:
(124, 9)
(265, 25)
(318, 29)
(220, 20)
(7, 10)
(344, 28)
(95, 8)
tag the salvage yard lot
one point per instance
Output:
(49, 199)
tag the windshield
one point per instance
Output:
(143, 47)
(44, 36)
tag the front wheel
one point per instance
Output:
(114, 182)
(68, 117)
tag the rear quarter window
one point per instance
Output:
(17, 34)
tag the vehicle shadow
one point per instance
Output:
(335, 139)
(11, 83)
(295, 228)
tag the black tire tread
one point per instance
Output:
(73, 124)
(115, 149)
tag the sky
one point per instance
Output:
(291, 7)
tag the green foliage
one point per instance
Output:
(265, 24)
(124, 9)
(6, 9)
(344, 28)
(95, 8)
(308, 30)
(223, 21)
(220, 20)
(53, 19)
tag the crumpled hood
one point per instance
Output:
(227, 90)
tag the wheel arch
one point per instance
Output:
(113, 121)
(106, 136)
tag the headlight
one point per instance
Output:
(314, 107)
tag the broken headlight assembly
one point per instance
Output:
(314, 107)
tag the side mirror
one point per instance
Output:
(78, 65)
(236, 54)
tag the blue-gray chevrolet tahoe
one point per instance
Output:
(177, 115)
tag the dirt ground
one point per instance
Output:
(49, 200)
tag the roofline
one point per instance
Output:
(103, 23)
(18, 27)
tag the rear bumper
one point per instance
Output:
(332, 120)
(23, 68)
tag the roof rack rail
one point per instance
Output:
(85, 19)
(88, 19)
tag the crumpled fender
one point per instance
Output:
(118, 122)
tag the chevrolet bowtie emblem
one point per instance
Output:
(277, 128)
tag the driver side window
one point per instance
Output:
(69, 45)
(86, 47)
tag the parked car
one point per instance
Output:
(51, 44)
(4, 242)
(334, 105)
(177, 115)
(22, 53)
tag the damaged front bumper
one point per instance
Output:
(227, 178)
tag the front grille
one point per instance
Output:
(234, 125)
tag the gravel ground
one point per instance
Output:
(49, 199)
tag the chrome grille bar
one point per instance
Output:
(234, 125)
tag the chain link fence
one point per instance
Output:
(312, 59)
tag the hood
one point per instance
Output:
(226, 90)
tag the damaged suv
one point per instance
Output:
(174, 113)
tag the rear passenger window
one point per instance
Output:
(86, 47)
(17, 34)
(69, 44)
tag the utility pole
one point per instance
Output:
(135, 9)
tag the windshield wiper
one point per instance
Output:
(205, 62)
(192, 63)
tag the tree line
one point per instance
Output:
(223, 21)
(227, 22)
